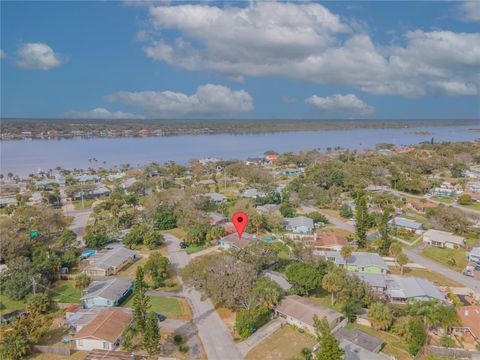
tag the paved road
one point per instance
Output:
(419, 259)
(216, 340)
(80, 220)
(332, 219)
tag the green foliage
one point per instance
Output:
(153, 239)
(287, 209)
(96, 240)
(329, 347)
(385, 238)
(317, 217)
(197, 234)
(248, 320)
(304, 277)
(266, 292)
(178, 339)
(447, 341)
(165, 219)
(333, 282)
(135, 236)
(346, 211)
(38, 304)
(82, 281)
(380, 316)
(361, 219)
(151, 335)
(14, 346)
(465, 199)
(157, 268)
(458, 169)
(418, 335)
(141, 302)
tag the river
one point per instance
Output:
(23, 157)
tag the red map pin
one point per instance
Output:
(240, 220)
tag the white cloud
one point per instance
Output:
(470, 10)
(306, 41)
(345, 104)
(101, 113)
(38, 56)
(3, 54)
(208, 100)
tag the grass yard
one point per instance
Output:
(394, 345)
(474, 206)
(7, 305)
(87, 204)
(64, 291)
(455, 259)
(130, 270)
(442, 199)
(168, 306)
(195, 248)
(325, 299)
(76, 355)
(436, 278)
(285, 343)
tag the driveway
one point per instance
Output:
(216, 340)
(80, 220)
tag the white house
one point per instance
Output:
(299, 224)
(443, 239)
(105, 331)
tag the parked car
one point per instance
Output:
(183, 245)
(161, 317)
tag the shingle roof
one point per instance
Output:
(412, 287)
(360, 338)
(470, 317)
(360, 259)
(111, 258)
(109, 289)
(216, 196)
(407, 223)
(443, 237)
(299, 221)
(374, 280)
(303, 309)
(107, 325)
(232, 239)
(355, 352)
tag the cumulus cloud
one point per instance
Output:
(38, 56)
(208, 100)
(344, 104)
(3, 54)
(306, 41)
(101, 113)
(470, 10)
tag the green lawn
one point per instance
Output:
(325, 299)
(195, 248)
(7, 305)
(178, 232)
(168, 306)
(445, 200)
(455, 259)
(474, 206)
(87, 204)
(64, 291)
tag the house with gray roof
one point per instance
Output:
(474, 254)
(252, 193)
(110, 262)
(217, 218)
(299, 224)
(359, 261)
(356, 352)
(376, 282)
(407, 224)
(216, 197)
(443, 239)
(111, 292)
(359, 338)
(401, 289)
(267, 207)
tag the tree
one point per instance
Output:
(266, 292)
(395, 249)
(19, 280)
(165, 219)
(346, 252)
(385, 238)
(329, 347)
(153, 239)
(333, 282)
(418, 335)
(287, 209)
(380, 316)
(304, 277)
(135, 236)
(458, 169)
(97, 240)
(14, 346)
(157, 268)
(317, 217)
(197, 234)
(449, 218)
(361, 219)
(248, 320)
(402, 260)
(346, 211)
(141, 302)
(38, 304)
(465, 199)
(82, 281)
(151, 335)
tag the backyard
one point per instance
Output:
(285, 343)
(455, 259)
(64, 291)
(173, 308)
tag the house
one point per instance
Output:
(376, 282)
(127, 183)
(233, 241)
(299, 224)
(359, 338)
(327, 240)
(87, 178)
(407, 224)
(216, 197)
(217, 219)
(82, 317)
(278, 278)
(354, 351)
(422, 206)
(401, 289)
(71, 310)
(300, 311)
(207, 182)
(359, 261)
(97, 192)
(474, 255)
(110, 262)
(252, 193)
(443, 239)
(470, 319)
(105, 331)
(6, 201)
(109, 292)
(267, 208)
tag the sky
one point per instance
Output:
(168, 59)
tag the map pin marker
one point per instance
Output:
(240, 220)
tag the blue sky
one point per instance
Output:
(240, 60)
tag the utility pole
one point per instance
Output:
(34, 285)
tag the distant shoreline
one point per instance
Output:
(19, 129)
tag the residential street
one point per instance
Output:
(216, 340)
(80, 220)
(414, 257)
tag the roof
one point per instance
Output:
(475, 251)
(304, 309)
(83, 317)
(252, 193)
(444, 237)
(267, 207)
(242, 243)
(373, 280)
(73, 308)
(128, 182)
(98, 354)
(421, 205)
(107, 325)
(355, 352)
(407, 223)
(216, 196)
(412, 288)
(360, 338)
(360, 259)
(216, 217)
(299, 221)
(470, 317)
(330, 238)
(111, 258)
(109, 289)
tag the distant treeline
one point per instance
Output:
(65, 128)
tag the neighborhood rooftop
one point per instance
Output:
(108, 289)
(107, 325)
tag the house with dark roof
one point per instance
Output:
(360, 338)
(104, 331)
(110, 292)
(299, 311)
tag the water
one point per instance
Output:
(23, 157)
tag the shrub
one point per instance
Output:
(178, 339)
(183, 348)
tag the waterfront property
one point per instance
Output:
(104, 331)
(359, 261)
(300, 311)
(299, 224)
(111, 292)
(443, 239)
(110, 262)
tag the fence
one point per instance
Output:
(57, 350)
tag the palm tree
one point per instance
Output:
(332, 282)
(380, 316)
(402, 260)
(346, 253)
